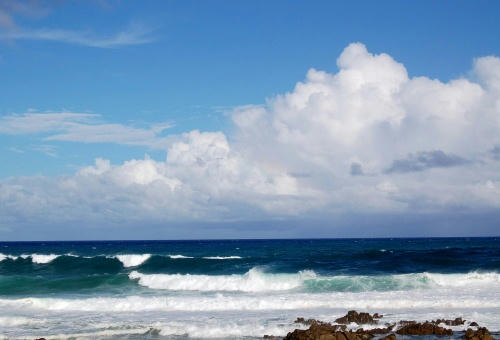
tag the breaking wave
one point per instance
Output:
(256, 280)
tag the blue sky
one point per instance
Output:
(206, 83)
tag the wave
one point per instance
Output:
(257, 281)
(132, 260)
(253, 281)
(35, 258)
(222, 257)
(179, 257)
(401, 300)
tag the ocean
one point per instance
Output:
(239, 289)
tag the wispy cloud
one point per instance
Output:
(135, 35)
(83, 127)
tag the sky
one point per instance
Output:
(249, 119)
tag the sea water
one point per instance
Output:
(239, 289)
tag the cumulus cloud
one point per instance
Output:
(83, 127)
(301, 154)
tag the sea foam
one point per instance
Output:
(252, 281)
(132, 260)
(40, 258)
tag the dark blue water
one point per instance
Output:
(89, 266)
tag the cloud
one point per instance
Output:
(495, 152)
(135, 35)
(83, 127)
(424, 160)
(356, 169)
(10, 8)
(365, 118)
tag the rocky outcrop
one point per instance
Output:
(327, 331)
(319, 330)
(426, 328)
(389, 337)
(480, 334)
(456, 322)
(359, 318)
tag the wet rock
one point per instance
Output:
(480, 334)
(456, 322)
(316, 331)
(271, 337)
(377, 316)
(474, 324)
(426, 328)
(389, 337)
(326, 331)
(308, 322)
(359, 318)
(374, 331)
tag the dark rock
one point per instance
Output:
(389, 337)
(377, 316)
(359, 318)
(374, 331)
(426, 328)
(271, 337)
(456, 322)
(308, 322)
(480, 334)
(474, 324)
(326, 331)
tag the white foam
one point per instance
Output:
(4, 257)
(253, 281)
(472, 279)
(15, 321)
(441, 299)
(132, 260)
(40, 258)
(222, 257)
(229, 329)
(179, 257)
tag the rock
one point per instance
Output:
(474, 324)
(321, 331)
(377, 316)
(326, 331)
(426, 328)
(480, 334)
(374, 331)
(389, 337)
(308, 322)
(456, 322)
(359, 318)
(271, 336)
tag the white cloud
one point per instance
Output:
(135, 35)
(293, 156)
(10, 9)
(83, 127)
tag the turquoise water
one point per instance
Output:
(238, 288)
